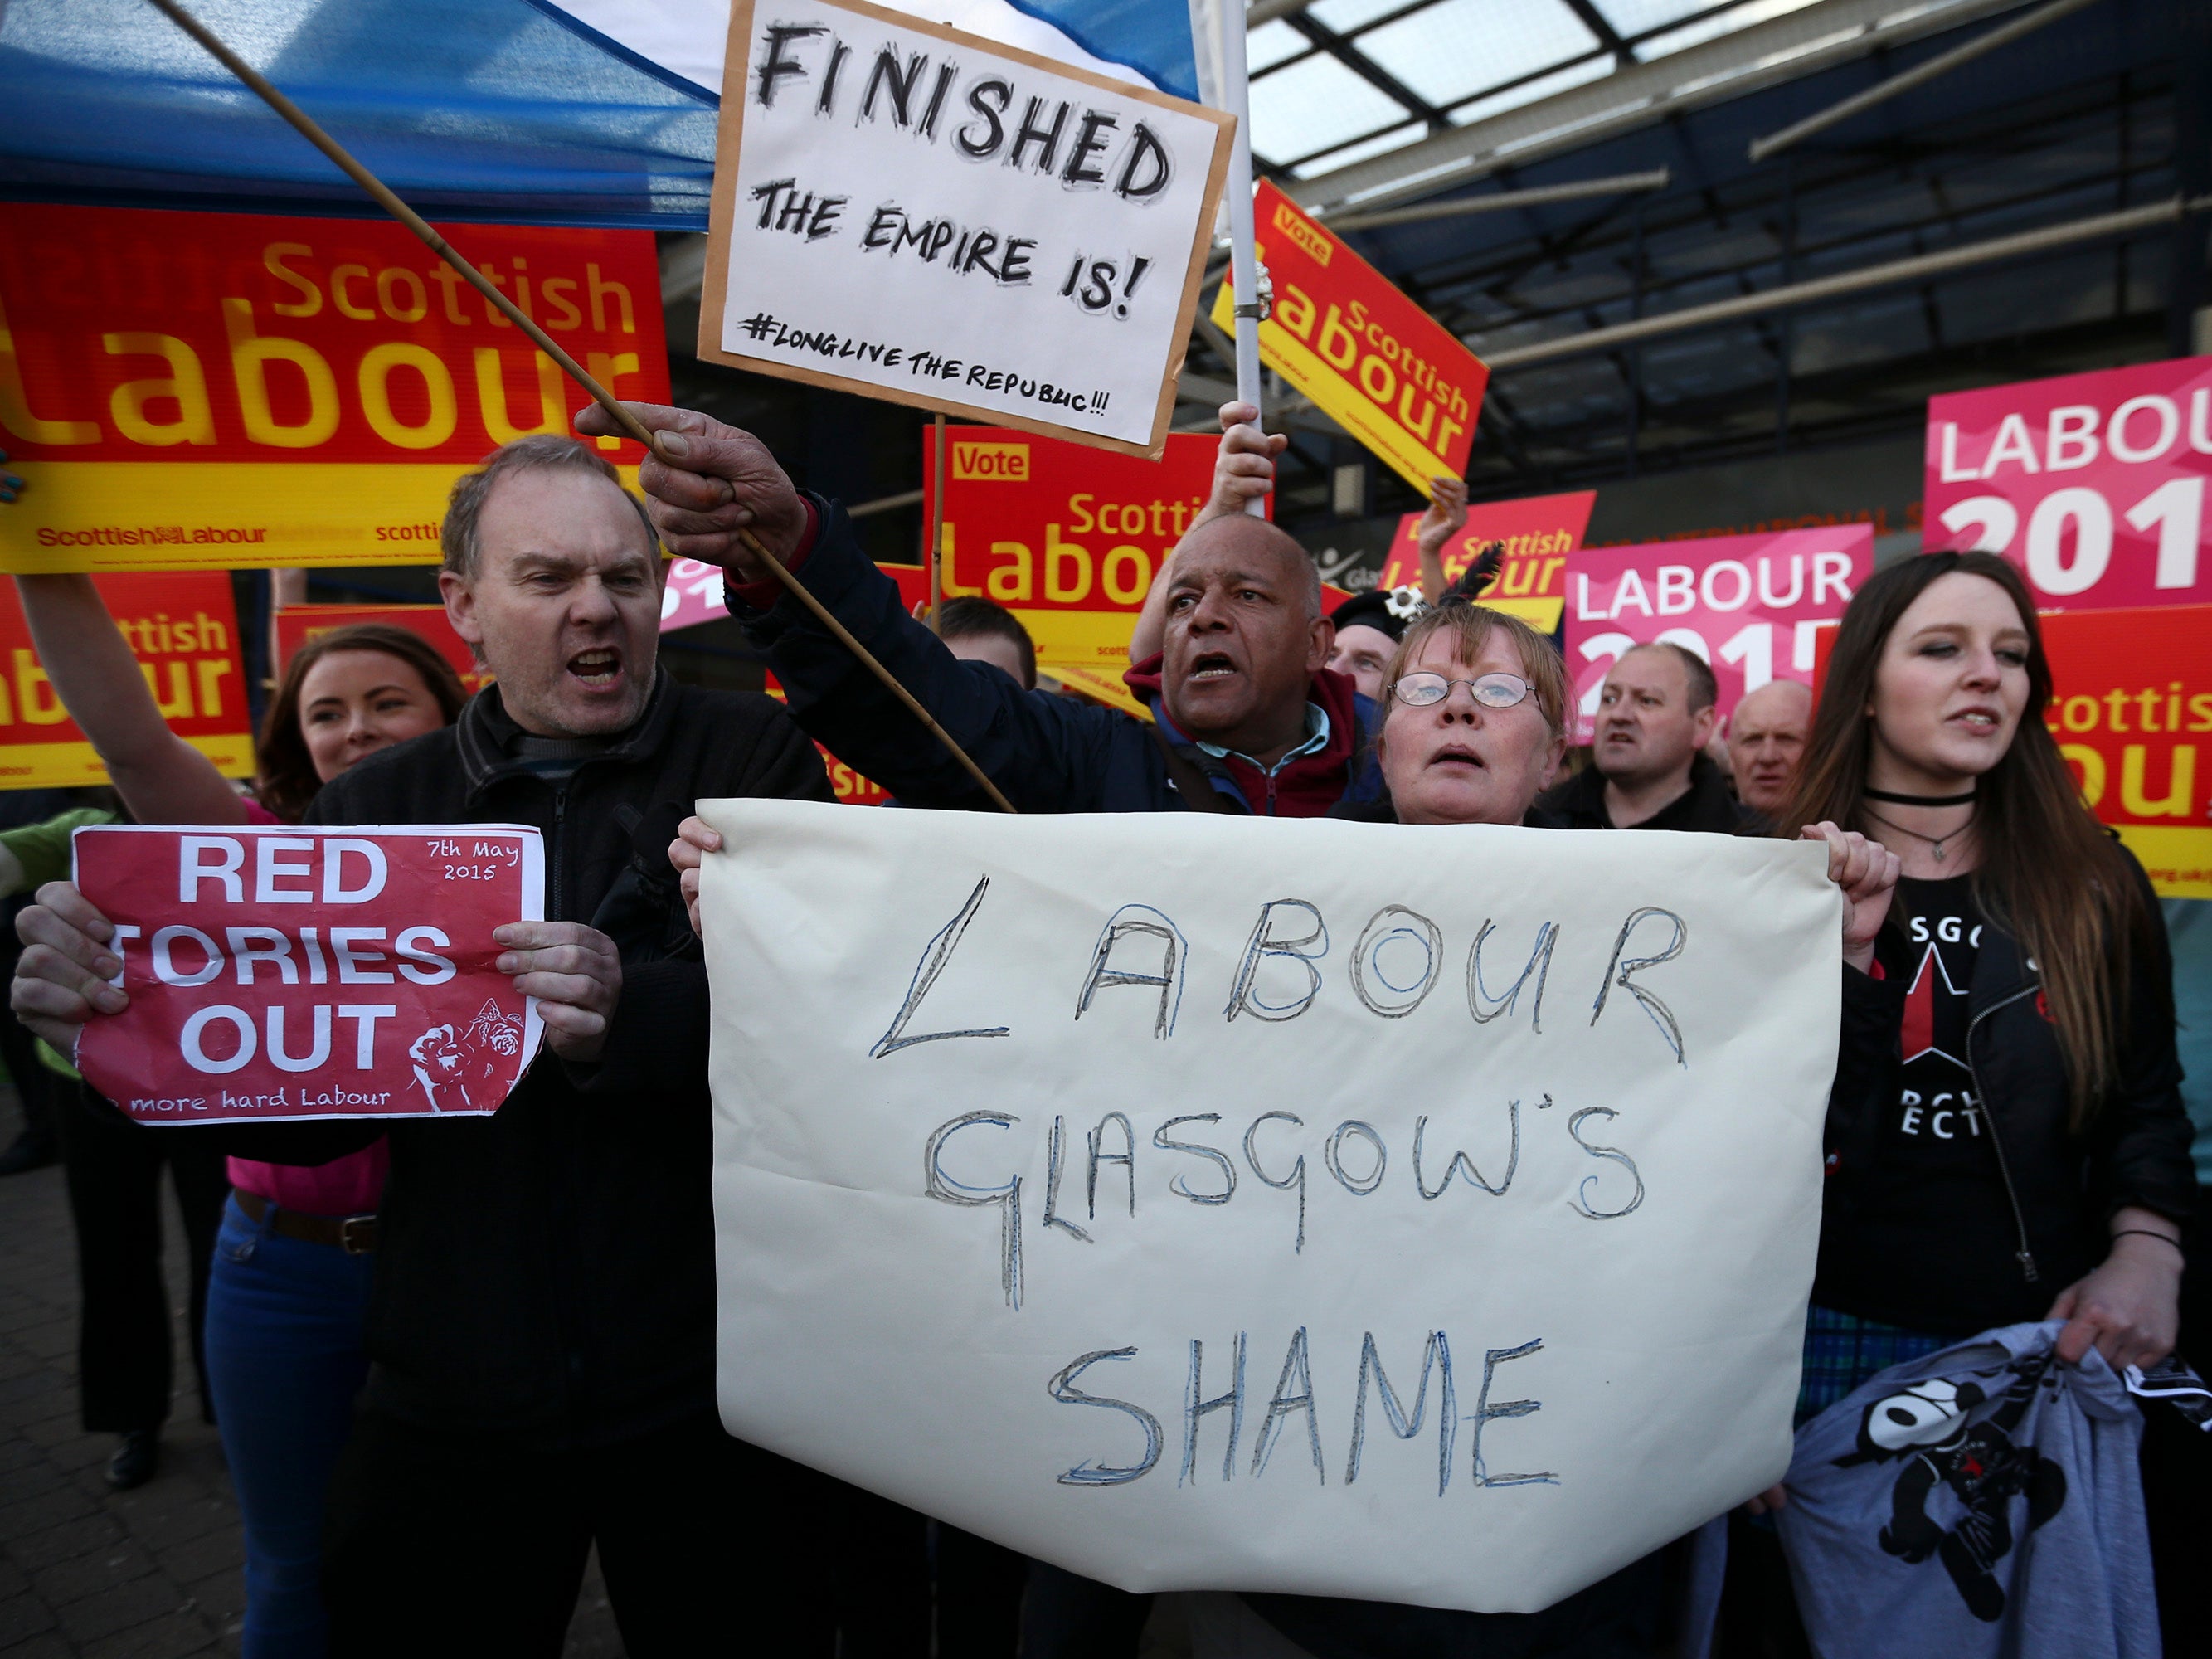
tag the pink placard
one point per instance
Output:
(693, 595)
(1749, 606)
(283, 974)
(2094, 484)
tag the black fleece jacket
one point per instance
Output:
(2062, 1184)
(1579, 804)
(547, 1273)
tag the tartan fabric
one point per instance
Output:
(1842, 1350)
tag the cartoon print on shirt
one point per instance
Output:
(447, 1061)
(1930, 1425)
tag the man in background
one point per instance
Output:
(1655, 716)
(1767, 741)
(975, 630)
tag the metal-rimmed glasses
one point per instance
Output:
(1422, 689)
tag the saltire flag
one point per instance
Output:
(588, 112)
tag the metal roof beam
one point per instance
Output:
(1618, 183)
(2004, 34)
(1765, 54)
(1845, 283)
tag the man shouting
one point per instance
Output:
(541, 1331)
(1249, 719)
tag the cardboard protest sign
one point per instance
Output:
(184, 631)
(1749, 606)
(905, 211)
(375, 997)
(1539, 532)
(1067, 539)
(2131, 707)
(1371, 360)
(217, 390)
(1199, 1202)
(2094, 484)
(298, 623)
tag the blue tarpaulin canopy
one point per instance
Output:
(601, 113)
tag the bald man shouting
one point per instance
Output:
(1248, 717)
(1766, 742)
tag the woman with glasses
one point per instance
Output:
(1474, 722)
(1474, 729)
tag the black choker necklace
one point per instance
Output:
(1896, 800)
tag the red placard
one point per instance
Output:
(2131, 707)
(1370, 359)
(1066, 537)
(222, 389)
(184, 630)
(1750, 606)
(1539, 532)
(2094, 484)
(282, 974)
(298, 623)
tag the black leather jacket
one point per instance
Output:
(547, 1274)
(2062, 1186)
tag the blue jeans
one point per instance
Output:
(284, 1323)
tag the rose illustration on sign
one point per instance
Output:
(448, 1060)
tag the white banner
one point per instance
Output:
(908, 212)
(1145, 1195)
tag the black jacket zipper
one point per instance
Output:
(2024, 1256)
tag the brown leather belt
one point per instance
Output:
(354, 1234)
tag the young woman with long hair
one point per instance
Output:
(287, 1287)
(2006, 1142)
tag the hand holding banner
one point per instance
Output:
(386, 1005)
(1539, 532)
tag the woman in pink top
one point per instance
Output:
(288, 1283)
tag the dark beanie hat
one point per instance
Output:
(1387, 609)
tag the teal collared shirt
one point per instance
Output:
(1317, 740)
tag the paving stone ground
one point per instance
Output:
(92, 1573)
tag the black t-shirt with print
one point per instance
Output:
(1930, 1244)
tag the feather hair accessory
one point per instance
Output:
(1477, 577)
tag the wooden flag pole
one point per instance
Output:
(381, 193)
(937, 526)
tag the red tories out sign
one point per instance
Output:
(1749, 606)
(183, 630)
(278, 974)
(2094, 484)
(1538, 531)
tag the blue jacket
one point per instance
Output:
(1047, 753)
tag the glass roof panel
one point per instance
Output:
(1348, 16)
(1314, 103)
(1634, 17)
(1380, 144)
(1575, 75)
(1743, 16)
(1268, 45)
(1455, 50)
